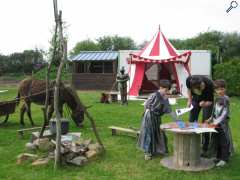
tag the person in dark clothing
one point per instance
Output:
(200, 96)
(152, 140)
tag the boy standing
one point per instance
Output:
(220, 118)
(152, 140)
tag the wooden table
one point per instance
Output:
(187, 149)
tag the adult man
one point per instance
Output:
(200, 95)
(122, 79)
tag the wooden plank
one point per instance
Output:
(175, 153)
(115, 129)
(195, 150)
(30, 129)
(21, 131)
(180, 150)
(186, 149)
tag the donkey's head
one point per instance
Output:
(78, 116)
(71, 98)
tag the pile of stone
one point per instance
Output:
(74, 150)
(79, 152)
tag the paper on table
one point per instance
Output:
(183, 110)
(203, 130)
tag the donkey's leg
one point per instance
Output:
(50, 112)
(22, 112)
(29, 112)
(61, 109)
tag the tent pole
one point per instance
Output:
(158, 75)
(129, 78)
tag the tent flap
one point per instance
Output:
(137, 79)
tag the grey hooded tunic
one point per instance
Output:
(221, 118)
(152, 140)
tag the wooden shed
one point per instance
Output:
(94, 70)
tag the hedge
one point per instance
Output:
(230, 72)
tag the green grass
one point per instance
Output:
(122, 159)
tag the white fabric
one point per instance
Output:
(132, 70)
(164, 53)
(182, 75)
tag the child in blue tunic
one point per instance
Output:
(152, 140)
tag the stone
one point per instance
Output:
(78, 161)
(39, 162)
(70, 156)
(87, 142)
(46, 134)
(36, 142)
(44, 144)
(95, 147)
(78, 149)
(30, 146)
(26, 157)
(51, 155)
(64, 150)
(75, 136)
(91, 154)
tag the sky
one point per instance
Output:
(27, 24)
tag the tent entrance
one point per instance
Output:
(156, 72)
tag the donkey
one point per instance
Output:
(34, 91)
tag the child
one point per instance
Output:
(220, 118)
(152, 140)
(104, 98)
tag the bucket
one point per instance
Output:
(64, 126)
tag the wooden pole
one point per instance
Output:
(63, 51)
(45, 109)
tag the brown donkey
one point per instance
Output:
(34, 91)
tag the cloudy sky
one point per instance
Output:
(27, 24)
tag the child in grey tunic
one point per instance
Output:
(221, 116)
(152, 140)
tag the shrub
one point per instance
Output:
(230, 72)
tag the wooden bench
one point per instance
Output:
(113, 96)
(127, 130)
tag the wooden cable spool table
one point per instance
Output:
(187, 148)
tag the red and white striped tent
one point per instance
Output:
(159, 52)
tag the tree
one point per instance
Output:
(85, 45)
(229, 71)
(116, 43)
(105, 43)
(230, 46)
(223, 46)
(142, 45)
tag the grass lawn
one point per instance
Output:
(122, 159)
